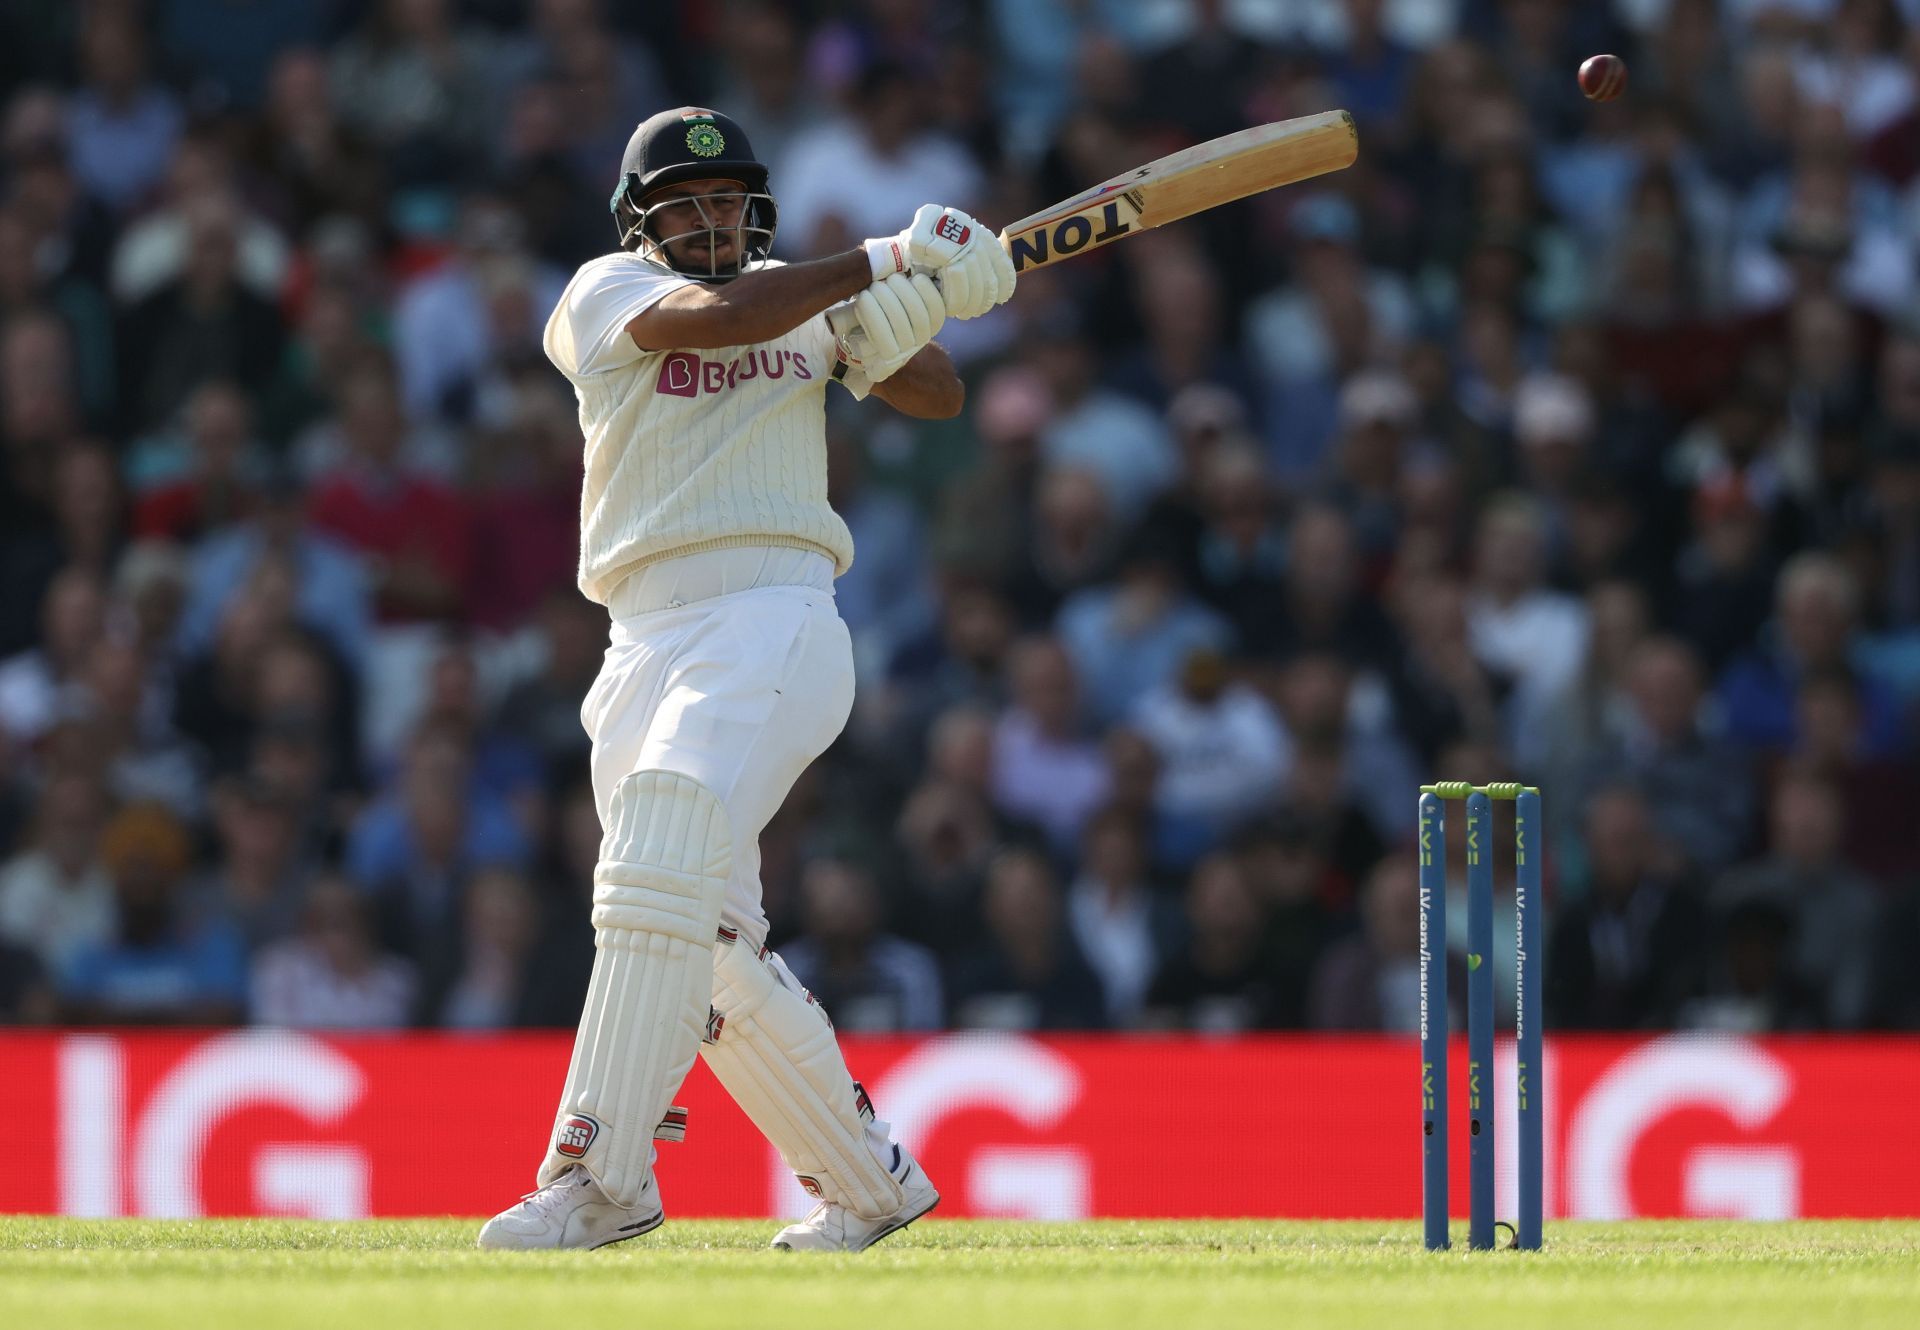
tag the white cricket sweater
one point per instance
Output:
(690, 450)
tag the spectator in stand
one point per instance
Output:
(1364, 474)
(1326, 605)
(1175, 841)
(563, 889)
(884, 602)
(947, 832)
(27, 286)
(1071, 548)
(1029, 974)
(1307, 337)
(265, 672)
(1181, 309)
(763, 79)
(498, 975)
(1114, 436)
(332, 974)
(1828, 910)
(1218, 983)
(1624, 956)
(1725, 576)
(1442, 691)
(150, 591)
(328, 592)
(328, 342)
(542, 712)
(1815, 629)
(56, 898)
(1235, 548)
(1134, 636)
(866, 979)
(1221, 746)
(1526, 632)
(537, 498)
(122, 715)
(505, 770)
(159, 966)
(1356, 761)
(1287, 865)
(122, 126)
(420, 86)
(475, 313)
(848, 177)
(314, 164)
(156, 249)
(205, 324)
(965, 661)
(613, 81)
(1751, 985)
(1045, 769)
(89, 509)
(416, 849)
(1697, 786)
(34, 682)
(1370, 980)
(1592, 710)
(216, 486)
(1125, 928)
(259, 879)
(415, 533)
(1878, 793)
(985, 520)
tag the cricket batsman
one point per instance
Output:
(701, 366)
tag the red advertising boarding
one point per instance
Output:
(282, 1123)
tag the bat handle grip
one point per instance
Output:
(846, 327)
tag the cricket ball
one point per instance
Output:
(1603, 77)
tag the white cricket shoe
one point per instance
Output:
(572, 1211)
(831, 1227)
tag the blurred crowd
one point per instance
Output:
(1564, 442)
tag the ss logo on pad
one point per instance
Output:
(575, 1135)
(949, 228)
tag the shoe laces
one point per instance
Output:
(545, 1200)
(820, 1214)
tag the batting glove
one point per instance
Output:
(978, 280)
(937, 237)
(885, 326)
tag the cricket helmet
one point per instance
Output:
(692, 143)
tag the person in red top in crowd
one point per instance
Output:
(536, 496)
(416, 534)
(217, 490)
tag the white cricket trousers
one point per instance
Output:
(733, 668)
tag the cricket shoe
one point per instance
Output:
(572, 1211)
(832, 1227)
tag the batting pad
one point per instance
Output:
(657, 893)
(774, 1050)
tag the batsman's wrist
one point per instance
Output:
(887, 257)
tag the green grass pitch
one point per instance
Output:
(423, 1274)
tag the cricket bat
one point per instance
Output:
(1233, 166)
(1250, 161)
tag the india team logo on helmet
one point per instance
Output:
(704, 139)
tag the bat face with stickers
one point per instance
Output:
(1192, 180)
(1234, 166)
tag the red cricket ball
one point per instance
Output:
(1603, 77)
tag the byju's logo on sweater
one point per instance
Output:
(684, 374)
